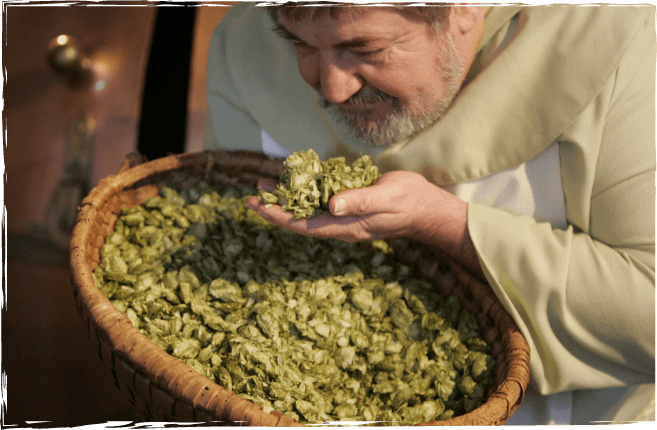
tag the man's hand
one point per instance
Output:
(398, 204)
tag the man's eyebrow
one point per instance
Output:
(286, 34)
(356, 42)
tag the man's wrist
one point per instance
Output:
(445, 227)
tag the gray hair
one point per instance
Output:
(434, 14)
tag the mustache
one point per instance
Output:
(365, 96)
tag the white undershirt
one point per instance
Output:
(533, 188)
(272, 148)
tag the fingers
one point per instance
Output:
(273, 213)
(325, 225)
(347, 228)
(276, 215)
(254, 203)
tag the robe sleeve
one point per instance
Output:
(229, 125)
(584, 296)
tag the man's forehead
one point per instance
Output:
(312, 13)
(362, 23)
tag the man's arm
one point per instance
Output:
(585, 296)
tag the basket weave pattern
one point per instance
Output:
(161, 387)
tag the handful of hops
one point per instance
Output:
(307, 184)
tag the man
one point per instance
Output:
(520, 141)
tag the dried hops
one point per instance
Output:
(319, 329)
(307, 183)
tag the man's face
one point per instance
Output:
(383, 75)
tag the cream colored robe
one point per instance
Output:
(580, 78)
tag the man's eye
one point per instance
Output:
(369, 55)
(303, 48)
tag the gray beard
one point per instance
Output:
(402, 122)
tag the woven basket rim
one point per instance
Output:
(106, 324)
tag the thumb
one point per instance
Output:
(356, 202)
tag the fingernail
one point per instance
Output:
(340, 207)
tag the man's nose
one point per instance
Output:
(338, 81)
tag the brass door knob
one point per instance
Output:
(65, 57)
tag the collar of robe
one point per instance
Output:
(523, 100)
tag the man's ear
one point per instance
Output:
(466, 18)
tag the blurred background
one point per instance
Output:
(84, 85)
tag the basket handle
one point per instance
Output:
(133, 159)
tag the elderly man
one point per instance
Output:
(520, 141)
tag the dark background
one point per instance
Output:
(50, 371)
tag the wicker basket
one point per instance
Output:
(161, 387)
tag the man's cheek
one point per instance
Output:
(308, 69)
